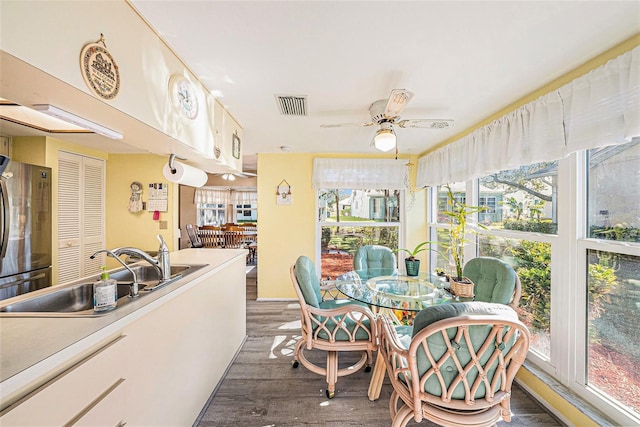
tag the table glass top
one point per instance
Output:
(410, 293)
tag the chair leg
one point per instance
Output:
(403, 416)
(332, 373)
(393, 404)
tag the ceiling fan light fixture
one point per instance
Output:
(228, 177)
(385, 138)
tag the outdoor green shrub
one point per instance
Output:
(619, 232)
(531, 225)
(534, 262)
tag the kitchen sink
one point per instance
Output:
(76, 298)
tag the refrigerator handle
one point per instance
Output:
(4, 219)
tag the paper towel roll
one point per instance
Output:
(185, 175)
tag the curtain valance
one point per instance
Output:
(245, 197)
(211, 196)
(362, 174)
(598, 109)
(224, 196)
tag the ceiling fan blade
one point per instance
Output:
(245, 174)
(425, 123)
(340, 125)
(398, 99)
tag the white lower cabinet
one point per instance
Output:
(76, 392)
(158, 370)
(184, 348)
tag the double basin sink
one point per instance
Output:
(76, 298)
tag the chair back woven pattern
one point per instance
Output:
(458, 370)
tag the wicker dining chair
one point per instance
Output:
(494, 281)
(457, 367)
(332, 326)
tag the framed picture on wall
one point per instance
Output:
(235, 146)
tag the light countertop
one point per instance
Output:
(38, 343)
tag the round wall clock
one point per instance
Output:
(183, 96)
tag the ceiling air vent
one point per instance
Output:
(292, 105)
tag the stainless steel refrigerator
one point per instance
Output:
(25, 228)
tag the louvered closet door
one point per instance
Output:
(81, 203)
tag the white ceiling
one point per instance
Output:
(463, 60)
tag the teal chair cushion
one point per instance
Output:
(361, 334)
(438, 347)
(494, 279)
(308, 280)
(374, 260)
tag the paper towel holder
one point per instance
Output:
(171, 158)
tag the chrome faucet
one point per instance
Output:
(133, 287)
(161, 263)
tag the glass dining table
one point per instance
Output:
(402, 297)
(393, 292)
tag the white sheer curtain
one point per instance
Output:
(245, 197)
(211, 196)
(362, 174)
(598, 109)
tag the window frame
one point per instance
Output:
(568, 303)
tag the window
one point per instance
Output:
(612, 273)
(352, 218)
(217, 206)
(577, 254)
(247, 212)
(211, 214)
(523, 199)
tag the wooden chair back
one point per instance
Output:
(211, 237)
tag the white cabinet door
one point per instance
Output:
(93, 386)
(81, 195)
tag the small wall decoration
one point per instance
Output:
(99, 69)
(283, 194)
(135, 201)
(235, 145)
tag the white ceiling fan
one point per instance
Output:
(386, 114)
(228, 176)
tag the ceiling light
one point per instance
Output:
(385, 138)
(77, 120)
(228, 176)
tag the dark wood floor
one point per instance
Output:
(262, 389)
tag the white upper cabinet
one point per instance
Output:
(160, 107)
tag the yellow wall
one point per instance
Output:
(137, 229)
(122, 228)
(286, 232)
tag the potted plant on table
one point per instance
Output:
(411, 263)
(454, 247)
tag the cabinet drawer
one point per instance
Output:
(63, 398)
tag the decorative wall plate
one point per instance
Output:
(99, 70)
(183, 96)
